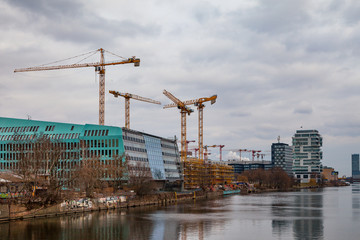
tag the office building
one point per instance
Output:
(282, 157)
(307, 155)
(88, 141)
(241, 166)
(355, 167)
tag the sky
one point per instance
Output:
(276, 67)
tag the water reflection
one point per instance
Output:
(294, 215)
(356, 201)
(301, 211)
(308, 223)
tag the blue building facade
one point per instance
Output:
(282, 157)
(89, 141)
(355, 167)
(241, 166)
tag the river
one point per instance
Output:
(329, 213)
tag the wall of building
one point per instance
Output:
(90, 141)
(282, 157)
(355, 167)
(307, 155)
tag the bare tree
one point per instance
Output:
(115, 169)
(89, 174)
(140, 179)
(38, 162)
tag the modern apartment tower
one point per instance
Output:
(282, 157)
(307, 155)
(355, 167)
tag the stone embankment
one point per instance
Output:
(11, 211)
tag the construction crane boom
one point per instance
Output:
(219, 146)
(127, 97)
(96, 64)
(200, 106)
(194, 101)
(183, 110)
(99, 67)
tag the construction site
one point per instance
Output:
(195, 170)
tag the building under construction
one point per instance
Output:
(201, 173)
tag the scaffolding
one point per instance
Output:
(199, 173)
(221, 174)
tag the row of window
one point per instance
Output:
(16, 156)
(167, 146)
(99, 153)
(139, 159)
(30, 145)
(103, 143)
(17, 137)
(130, 148)
(24, 137)
(50, 128)
(96, 132)
(63, 136)
(169, 154)
(19, 129)
(133, 139)
(171, 162)
(172, 170)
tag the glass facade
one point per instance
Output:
(282, 156)
(156, 162)
(88, 141)
(355, 166)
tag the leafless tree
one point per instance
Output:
(38, 162)
(140, 179)
(115, 170)
(275, 178)
(89, 174)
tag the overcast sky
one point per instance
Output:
(275, 66)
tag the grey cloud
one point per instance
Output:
(52, 9)
(240, 114)
(68, 20)
(274, 17)
(303, 110)
(204, 12)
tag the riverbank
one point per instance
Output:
(11, 211)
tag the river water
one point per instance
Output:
(329, 213)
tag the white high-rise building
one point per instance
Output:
(307, 155)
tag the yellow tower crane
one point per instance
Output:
(127, 97)
(99, 67)
(183, 110)
(200, 106)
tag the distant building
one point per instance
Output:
(241, 166)
(307, 155)
(355, 167)
(330, 174)
(282, 157)
(82, 142)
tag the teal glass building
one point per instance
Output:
(87, 141)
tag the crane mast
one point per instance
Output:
(200, 106)
(183, 110)
(99, 67)
(127, 97)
